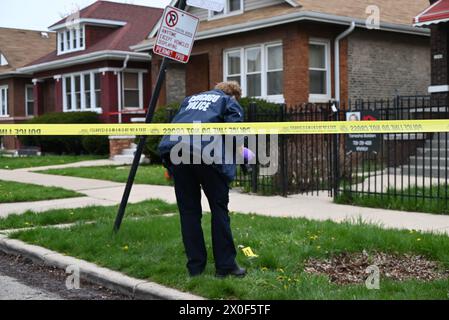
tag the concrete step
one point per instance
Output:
(441, 136)
(128, 152)
(127, 159)
(427, 161)
(435, 152)
(435, 144)
(427, 171)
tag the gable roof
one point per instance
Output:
(21, 47)
(394, 15)
(137, 20)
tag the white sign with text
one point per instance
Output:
(176, 35)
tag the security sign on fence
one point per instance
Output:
(176, 35)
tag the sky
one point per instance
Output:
(40, 14)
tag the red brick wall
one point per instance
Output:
(197, 74)
(295, 38)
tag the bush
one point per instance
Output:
(160, 116)
(262, 105)
(96, 145)
(67, 144)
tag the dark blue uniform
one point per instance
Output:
(208, 107)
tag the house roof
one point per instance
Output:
(21, 47)
(436, 13)
(139, 22)
(394, 16)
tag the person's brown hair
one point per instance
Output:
(231, 88)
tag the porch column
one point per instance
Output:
(58, 94)
(109, 96)
(155, 67)
(38, 97)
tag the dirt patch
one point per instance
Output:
(52, 280)
(352, 268)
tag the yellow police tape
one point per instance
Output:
(327, 127)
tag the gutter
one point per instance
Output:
(13, 74)
(289, 18)
(86, 58)
(337, 58)
(120, 79)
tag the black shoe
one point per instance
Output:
(237, 272)
(195, 274)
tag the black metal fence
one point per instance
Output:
(303, 163)
(406, 170)
(405, 167)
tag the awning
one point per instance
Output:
(436, 13)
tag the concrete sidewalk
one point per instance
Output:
(106, 193)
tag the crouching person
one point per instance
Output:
(218, 105)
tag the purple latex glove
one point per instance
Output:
(248, 155)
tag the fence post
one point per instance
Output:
(282, 160)
(336, 147)
(254, 172)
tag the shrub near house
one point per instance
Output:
(97, 145)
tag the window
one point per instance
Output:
(4, 101)
(258, 69)
(231, 7)
(319, 71)
(3, 61)
(29, 100)
(81, 92)
(71, 40)
(132, 90)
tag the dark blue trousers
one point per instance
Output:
(189, 179)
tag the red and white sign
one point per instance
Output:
(176, 35)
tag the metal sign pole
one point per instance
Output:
(149, 118)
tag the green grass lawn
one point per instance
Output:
(415, 199)
(21, 192)
(62, 216)
(151, 248)
(153, 174)
(48, 160)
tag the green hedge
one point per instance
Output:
(97, 145)
(160, 116)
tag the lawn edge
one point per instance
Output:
(135, 288)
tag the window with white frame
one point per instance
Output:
(258, 69)
(81, 92)
(133, 90)
(319, 71)
(4, 112)
(231, 7)
(29, 100)
(3, 61)
(71, 40)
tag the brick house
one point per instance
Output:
(17, 49)
(304, 51)
(91, 66)
(436, 18)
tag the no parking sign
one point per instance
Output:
(176, 35)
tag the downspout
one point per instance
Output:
(337, 59)
(120, 86)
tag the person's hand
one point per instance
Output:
(248, 155)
